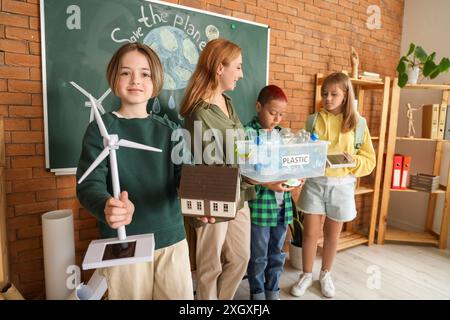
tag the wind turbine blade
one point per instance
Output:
(80, 89)
(100, 107)
(91, 115)
(135, 145)
(98, 118)
(104, 95)
(94, 164)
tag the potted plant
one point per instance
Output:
(418, 61)
(295, 246)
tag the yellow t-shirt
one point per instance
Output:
(328, 127)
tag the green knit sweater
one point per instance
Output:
(150, 178)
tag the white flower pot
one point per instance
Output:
(295, 257)
(413, 75)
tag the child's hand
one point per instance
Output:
(251, 181)
(278, 186)
(119, 212)
(207, 219)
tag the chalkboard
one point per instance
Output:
(80, 36)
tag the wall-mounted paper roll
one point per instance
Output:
(59, 252)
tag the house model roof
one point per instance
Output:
(209, 183)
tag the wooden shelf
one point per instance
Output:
(363, 190)
(347, 240)
(366, 84)
(394, 234)
(442, 189)
(421, 139)
(375, 138)
(428, 86)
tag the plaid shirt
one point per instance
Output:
(265, 209)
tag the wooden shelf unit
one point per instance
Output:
(427, 236)
(4, 265)
(350, 238)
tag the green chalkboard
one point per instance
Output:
(80, 36)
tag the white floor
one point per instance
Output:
(390, 271)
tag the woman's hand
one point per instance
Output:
(119, 212)
(207, 219)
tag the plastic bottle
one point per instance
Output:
(286, 135)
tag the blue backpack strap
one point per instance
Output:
(359, 133)
(311, 122)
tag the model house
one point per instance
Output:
(202, 195)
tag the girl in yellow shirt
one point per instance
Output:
(332, 195)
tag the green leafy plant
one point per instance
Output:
(417, 57)
(296, 227)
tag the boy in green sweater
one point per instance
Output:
(151, 179)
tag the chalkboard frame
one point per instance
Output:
(48, 149)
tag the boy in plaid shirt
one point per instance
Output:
(271, 211)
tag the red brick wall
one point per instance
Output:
(307, 37)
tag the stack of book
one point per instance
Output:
(370, 76)
(424, 182)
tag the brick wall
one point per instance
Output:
(307, 37)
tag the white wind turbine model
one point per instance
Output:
(97, 102)
(113, 251)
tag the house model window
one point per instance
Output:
(199, 205)
(189, 205)
(215, 206)
(225, 207)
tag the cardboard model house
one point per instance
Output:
(209, 191)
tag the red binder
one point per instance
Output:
(405, 172)
(397, 171)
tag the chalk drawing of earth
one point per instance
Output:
(177, 52)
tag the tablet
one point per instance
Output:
(339, 161)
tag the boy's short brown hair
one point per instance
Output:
(156, 69)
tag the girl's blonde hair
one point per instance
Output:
(156, 68)
(204, 80)
(348, 111)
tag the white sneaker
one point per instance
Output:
(326, 284)
(305, 281)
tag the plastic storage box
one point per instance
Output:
(271, 160)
